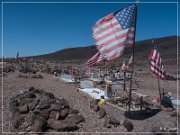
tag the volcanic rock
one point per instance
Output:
(107, 123)
(96, 108)
(44, 104)
(92, 103)
(26, 101)
(54, 115)
(31, 89)
(33, 104)
(101, 113)
(17, 120)
(114, 121)
(64, 112)
(128, 125)
(61, 125)
(45, 113)
(37, 111)
(30, 118)
(39, 124)
(63, 103)
(74, 118)
(23, 109)
(55, 107)
(30, 95)
(72, 111)
(13, 104)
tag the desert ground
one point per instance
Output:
(145, 83)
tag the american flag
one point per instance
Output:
(93, 60)
(123, 67)
(114, 32)
(130, 63)
(156, 63)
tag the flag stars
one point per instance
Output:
(126, 17)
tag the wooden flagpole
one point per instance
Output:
(130, 88)
(153, 42)
(105, 66)
(99, 72)
(89, 71)
(159, 90)
(124, 80)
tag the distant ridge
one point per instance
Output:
(167, 45)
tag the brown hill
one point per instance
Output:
(70, 54)
(167, 48)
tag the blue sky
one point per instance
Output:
(34, 29)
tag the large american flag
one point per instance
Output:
(114, 32)
(156, 63)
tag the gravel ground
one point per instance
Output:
(13, 85)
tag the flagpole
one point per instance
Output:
(159, 89)
(153, 42)
(130, 88)
(124, 80)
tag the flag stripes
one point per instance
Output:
(114, 32)
(93, 60)
(156, 64)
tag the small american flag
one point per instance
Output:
(156, 63)
(130, 63)
(123, 67)
(93, 60)
(115, 31)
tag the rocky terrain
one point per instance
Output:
(33, 100)
(112, 119)
(39, 111)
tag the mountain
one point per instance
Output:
(70, 54)
(167, 49)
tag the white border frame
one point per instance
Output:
(177, 3)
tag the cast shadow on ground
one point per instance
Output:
(141, 115)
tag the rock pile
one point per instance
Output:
(109, 121)
(39, 111)
(47, 70)
(7, 69)
(27, 70)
